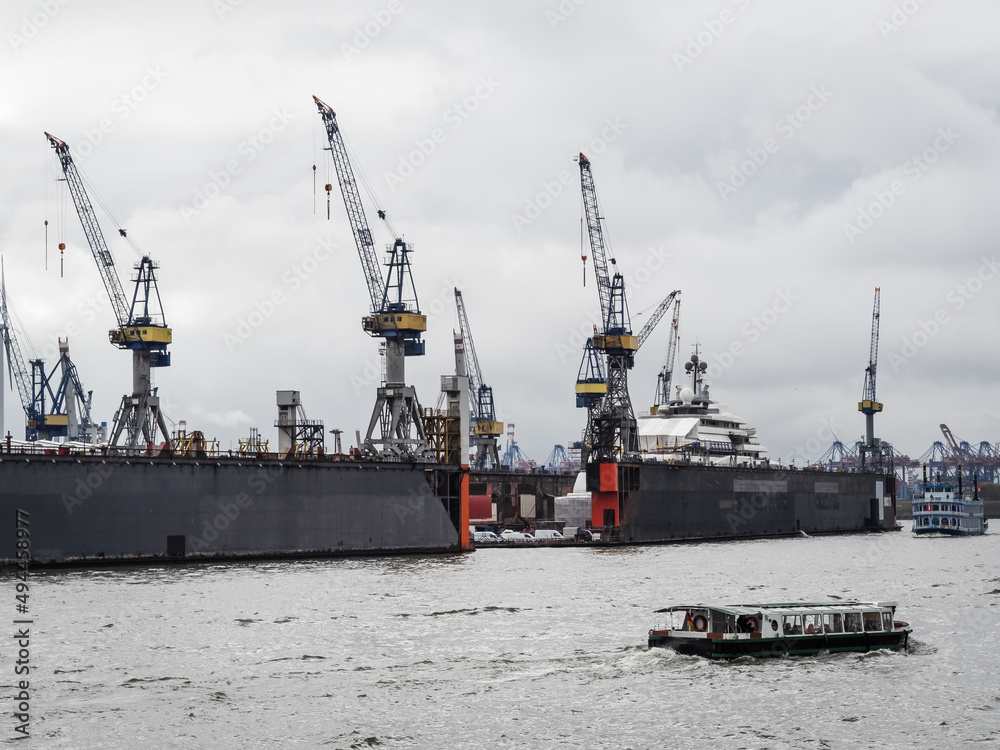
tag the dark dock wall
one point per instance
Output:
(94, 507)
(668, 502)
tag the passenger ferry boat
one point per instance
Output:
(762, 630)
(945, 510)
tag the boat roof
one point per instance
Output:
(748, 609)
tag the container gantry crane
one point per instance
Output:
(611, 434)
(871, 453)
(141, 326)
(485, 427)
(395, 316)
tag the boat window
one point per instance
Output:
(774, 625)
(872, 621)
(833, 623)
(937, 507)
(792, 625)
(934, 521)
(886, 621)
(813, 624)
(852, 622)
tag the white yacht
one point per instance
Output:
(694, 429)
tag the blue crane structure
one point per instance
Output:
(396, 430)
(50, 413)
(485, 429)
(141, 325)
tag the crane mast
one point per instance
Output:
(665, 379)
(485, 427)
(396, 430)
(869, 405)
(611, 432)
(141, 324)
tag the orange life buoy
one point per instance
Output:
(700, 623)
(752, 624)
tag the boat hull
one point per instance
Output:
(663, 502)
(806, 645)
(100, 508)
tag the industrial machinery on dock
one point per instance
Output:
(141, 326)
(396, 430)
(485, 427)
(54, 407)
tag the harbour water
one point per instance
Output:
(508, 648)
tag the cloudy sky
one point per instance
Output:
(774, 160)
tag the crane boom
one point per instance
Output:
(471, 360)
(355, 209)
(657, 316)
(597, 248)
(869, 394)
(485, 427)
(95, 238)
(15, 361)
(666, 377)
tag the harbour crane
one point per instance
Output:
(665, 379)
(869, 405)
(395, 316)
(612, 433)
(485, 427)
(50, 412)
(141, 325)
(35, 416)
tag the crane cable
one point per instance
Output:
(118, 224)
(368, 187)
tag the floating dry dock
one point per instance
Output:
(92, 507)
